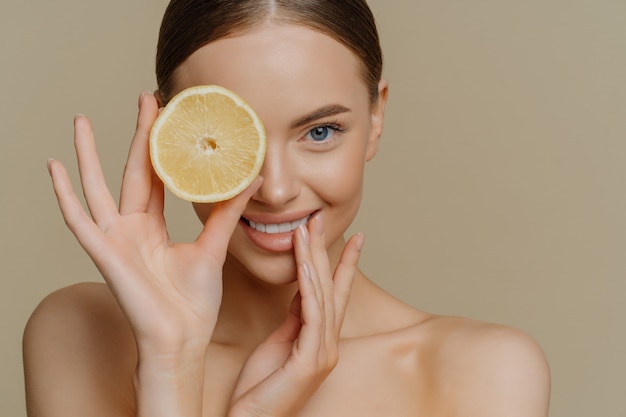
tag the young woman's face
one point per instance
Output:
(321, 129)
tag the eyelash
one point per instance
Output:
(334, 126)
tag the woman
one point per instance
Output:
(243, 322)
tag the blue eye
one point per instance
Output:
(322, 133)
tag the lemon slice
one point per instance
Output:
(207, 144)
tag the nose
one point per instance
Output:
(280, 183)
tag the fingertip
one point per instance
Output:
(352, 251)
(81, 122)
(142, 97)
(53, 167)
(252, 188)
(359, 241)
(148, 112)
(78, 118)
(148, 98)
(318, 223)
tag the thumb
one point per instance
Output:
(223, 219)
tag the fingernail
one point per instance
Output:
(304, 233)
(360, 241)
(305, 269)
(142, 96)
(319, 224)
(49, 162)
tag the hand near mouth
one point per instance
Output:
(289, 366)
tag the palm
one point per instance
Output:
(169, 290)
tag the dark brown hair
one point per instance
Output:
(190, 24)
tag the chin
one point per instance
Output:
(276, 270)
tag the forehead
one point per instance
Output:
(283, 65)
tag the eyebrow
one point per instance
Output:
(320, 113)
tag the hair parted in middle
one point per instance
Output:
(190, 24)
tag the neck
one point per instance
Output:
(251, 309)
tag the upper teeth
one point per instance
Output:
(279, 227)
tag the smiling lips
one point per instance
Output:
(276, 228)
(273, 237)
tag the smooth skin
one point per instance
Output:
(232, 325)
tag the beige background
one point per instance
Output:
(499, 192)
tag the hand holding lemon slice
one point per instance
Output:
(207, 144)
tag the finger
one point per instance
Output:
(318, 248)
(322, 267)
(77, 220)
(311, 335)
(222, 221)
(344, 276)
(304, 258)
(156, 203)
(137, 182)
(315, 315)
(97, 195)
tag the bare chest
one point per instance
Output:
(373, 378)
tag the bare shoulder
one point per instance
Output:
(77, 316)
(78, 351)
(488, 369)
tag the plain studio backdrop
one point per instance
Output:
(499, 192)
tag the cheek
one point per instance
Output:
(338, 175)
(340, 187)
